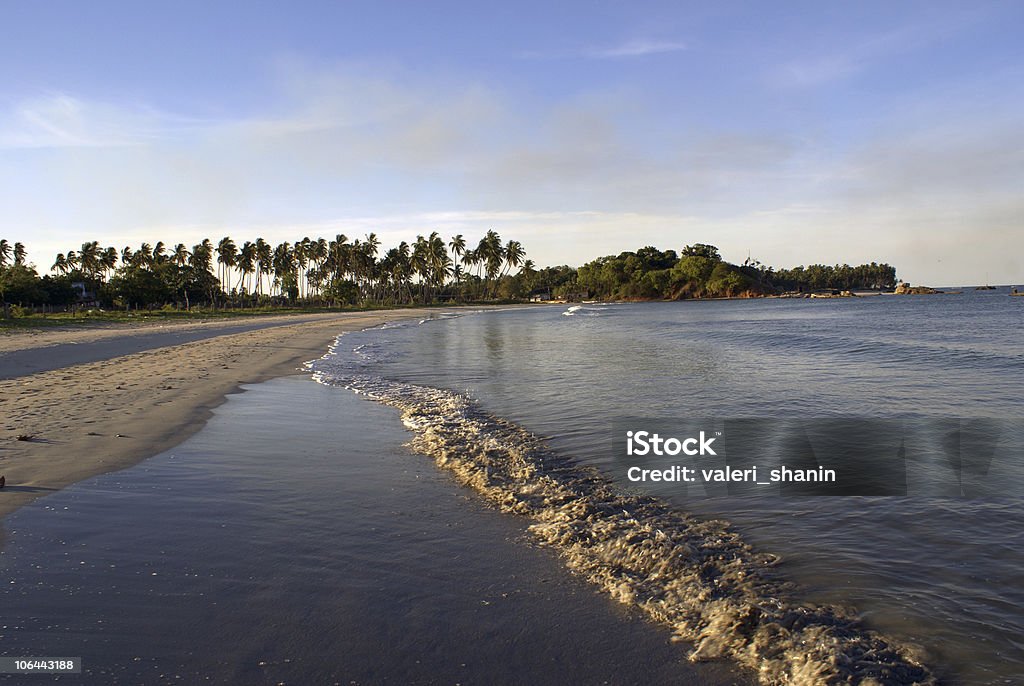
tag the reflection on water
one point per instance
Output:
(294, 540)
(943, 572)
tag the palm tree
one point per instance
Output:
(438, 260)
(201, 262)
(283, 262)
(528, 271)
(457, 275)
(201, 257)
(470, 260)
(180, 255)
(366, 262)
(339, 258)
(419, 264)
(308, 267)
(403, 271)
(458, 248)
(109, 260)
(227, 254)
(301, 252)
(60, 264)
(264, 260)
(314, 280)
(319, 251)
(457, 245)
(89, 259)
(246, 265)
(514, 255)
(143, 256)
(491, 254)
(5, 254)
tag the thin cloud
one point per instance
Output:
(60, 120)
(629, 49)
(636, 48)
(854, 58)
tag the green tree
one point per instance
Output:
(227, 256)
(702, 250)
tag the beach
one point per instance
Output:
(101, 416)
(285, 533)
(296, 539)
(281, 534)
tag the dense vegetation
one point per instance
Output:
(339, 272)
(257, 274)
(872, 276)
(700, 272)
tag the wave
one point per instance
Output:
(440, 316)
(583, 310)
(697, 577)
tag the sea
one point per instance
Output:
(450, 501)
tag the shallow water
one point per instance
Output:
(941, 573)
(295, 540)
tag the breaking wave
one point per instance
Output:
(697, 577)
(582, 310)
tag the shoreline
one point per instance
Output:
(103, 416)
(91, 331)
(219, 561)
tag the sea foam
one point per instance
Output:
(697, 577)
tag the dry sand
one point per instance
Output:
(98, 417)
(88, 332)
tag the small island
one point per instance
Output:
(904, 288)
(699, 272)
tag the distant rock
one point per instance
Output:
(835, 293)
(904, 288)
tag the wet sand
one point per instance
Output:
(295, 539)
(30, 351)
(83, 419)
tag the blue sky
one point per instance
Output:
(793, 132)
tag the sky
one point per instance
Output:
(789, 132)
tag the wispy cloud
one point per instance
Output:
(60, 120)
(628, 49)
(635, 48)
(848, 58)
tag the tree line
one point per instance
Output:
(698, 271)
(343, 272)
(316, 272)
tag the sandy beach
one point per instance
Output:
(84, 419)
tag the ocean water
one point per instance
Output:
(927, 587)
(296, 540)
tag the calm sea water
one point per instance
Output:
(942, 573)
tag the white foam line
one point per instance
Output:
(697, 577)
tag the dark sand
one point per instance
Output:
(295, 540)
(84, 419)
(28, 352)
